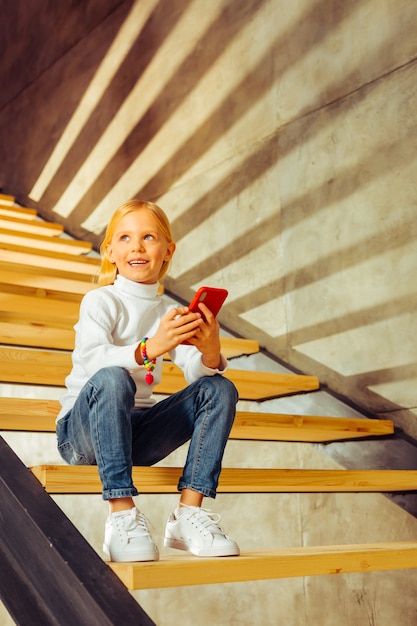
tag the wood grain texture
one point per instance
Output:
(42, 367)
(14, 211)
(184, 570)
(43, 242)
(85, 479)
(39, 415)
(21, 224)
(21, 254)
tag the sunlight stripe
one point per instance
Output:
(111, 63)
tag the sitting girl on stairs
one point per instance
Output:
(108, 417)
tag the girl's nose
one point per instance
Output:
(138, 244)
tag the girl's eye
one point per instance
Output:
(149, 236)
(124, 237)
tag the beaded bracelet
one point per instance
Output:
(148, 365)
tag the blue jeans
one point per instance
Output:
(104, 429)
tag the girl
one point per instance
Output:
(108, 417)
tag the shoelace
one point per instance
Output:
(135, 522)
(207, 521)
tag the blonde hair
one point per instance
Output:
(108, 270)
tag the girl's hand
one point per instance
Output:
(207, 338)
(176, 326)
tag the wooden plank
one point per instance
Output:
(235, 346)
(50, 281)
(27, 414)
(39, 331)
(53, 283)
(43, 306)
(6, 199)
(46, 259)
(32, 227)
(309, 428)
(42, 367)
(35, 367)
(184, 570)
(264, 385)
(36, 335)
(42, 242)
(250, 385)
(17, 211)
(153, 480)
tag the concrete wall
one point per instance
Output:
(280, 138)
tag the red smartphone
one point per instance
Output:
(212, 297)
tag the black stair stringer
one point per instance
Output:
(49, 574)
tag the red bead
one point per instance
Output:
(149, 378)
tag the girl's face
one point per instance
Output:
(139, 247)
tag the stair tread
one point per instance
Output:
(49, 279)
(184, 570)
(21, 224)
(6, 198)
(158, 479)
(43, 242)
(39, 415)
(15, 254)
(16, 211)
(44, 367)
(38, 321)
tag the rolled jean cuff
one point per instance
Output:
(205, 491)
(111, 494)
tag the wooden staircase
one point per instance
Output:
(43, 276)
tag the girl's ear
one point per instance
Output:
(170, 251)
(109, 254)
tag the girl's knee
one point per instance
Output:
(225, 388)
(114, 379)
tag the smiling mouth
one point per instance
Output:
(137, 262)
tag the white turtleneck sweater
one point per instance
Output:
(112, 321)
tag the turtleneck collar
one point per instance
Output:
(131, 288)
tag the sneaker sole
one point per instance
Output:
(177, 544)
(123, 557)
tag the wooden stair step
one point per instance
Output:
(6, 198)
(77, 479)
(184, 570)
(308, 428)
(32, 227)
(36, 281)
(47, 322)
(45, 259)
(42, 367)
(37, 415)
(28, 414)
(235, 346)
(17, 211)
(40, 331)
(35, 334)
(48, 281)
(42, 242)
(42, 307)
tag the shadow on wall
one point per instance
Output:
(128, 134)
(66, 81)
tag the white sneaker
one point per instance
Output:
(197, 531)
(127, 537)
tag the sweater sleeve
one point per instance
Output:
(189, 359)
(96, 346)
